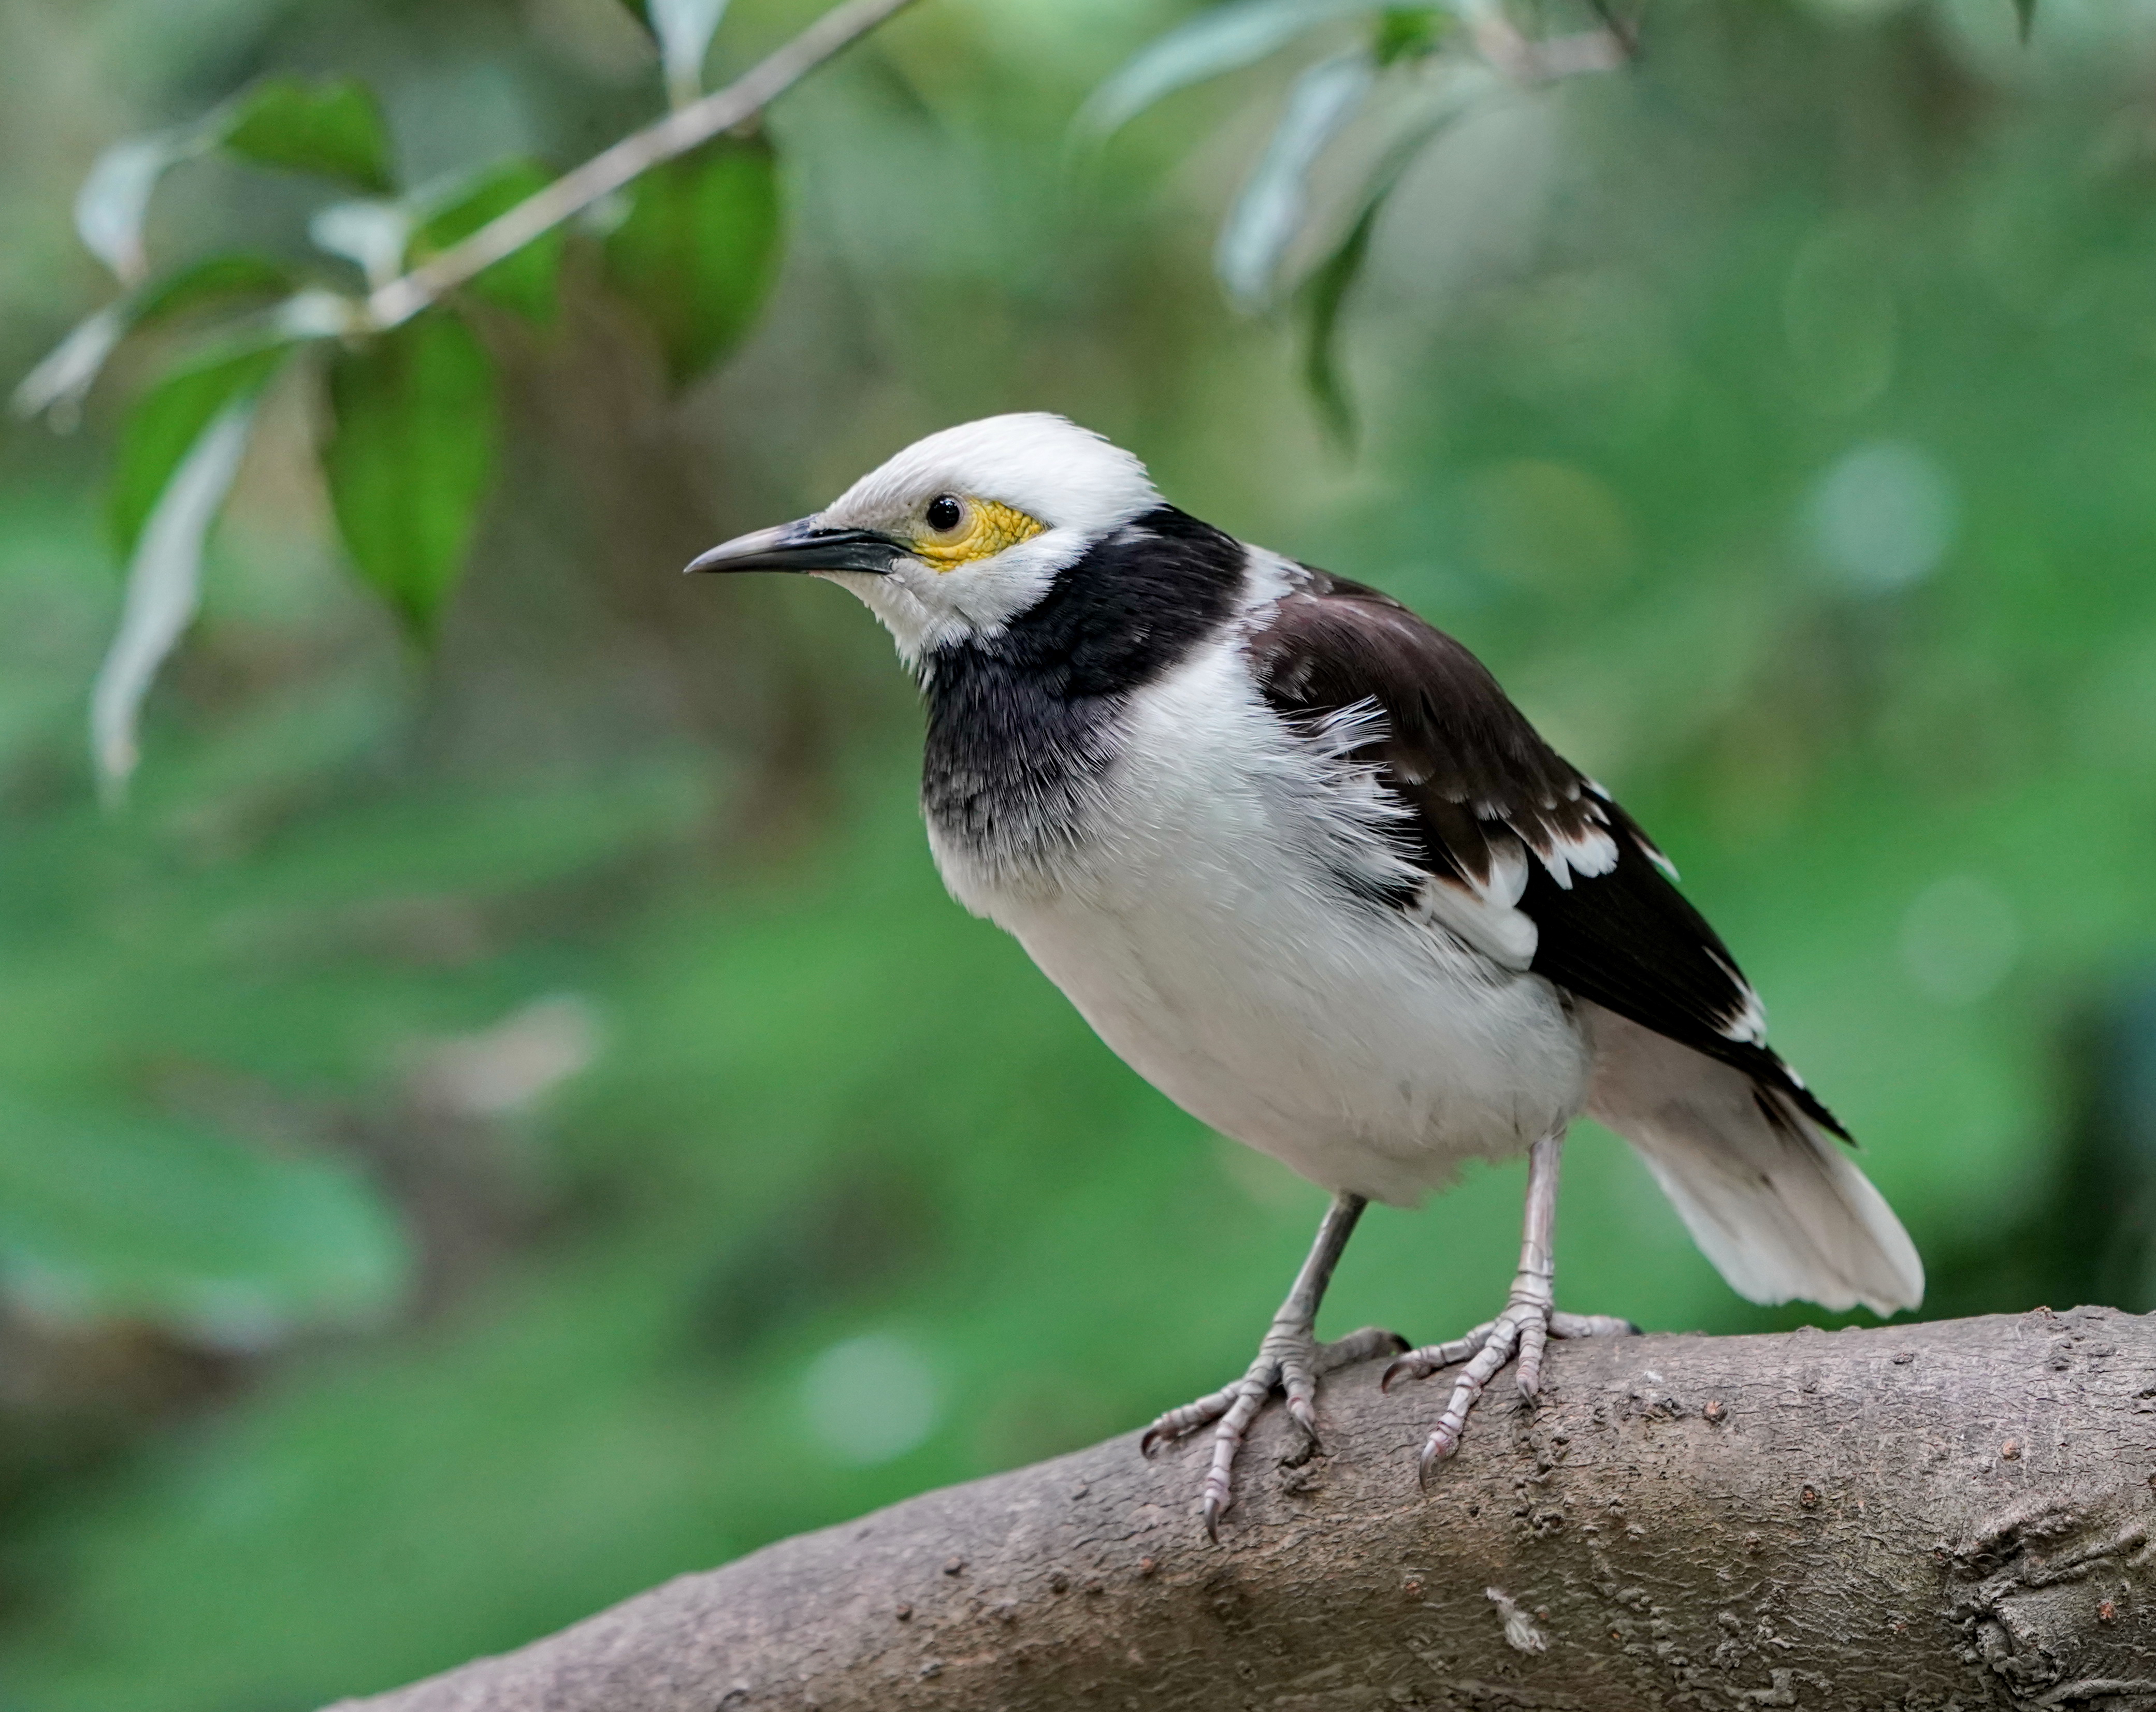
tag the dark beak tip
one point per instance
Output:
(801, 548)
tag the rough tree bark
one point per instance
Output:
(1927, 1516)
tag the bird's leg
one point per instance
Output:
(1529, 1320)
(1290, 1359)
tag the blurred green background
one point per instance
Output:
(484, 1131)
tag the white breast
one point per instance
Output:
(1201, 929)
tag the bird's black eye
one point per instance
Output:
(945, 512)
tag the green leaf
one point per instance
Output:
(332, 129)
(373, 233)
(179, 453)
(1221, 39)
(114, 202)
(640, 10)
(60, 381)
(1408, 32)
(1270, 211)
(698, 251)
(524, 281)
(1328, 290)
(684, 29)
(164, 590)
(164, 422)
(106, 1212)
(1325, 293)
(410, 458)
(65, 374)
(234, 276)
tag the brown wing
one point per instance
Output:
(1482, 790)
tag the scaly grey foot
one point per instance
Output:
(1290, 1360)
(1522, 1329)
(1529, 1321)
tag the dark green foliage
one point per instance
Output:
(410, 458)
(164, 424)
(331, 128)
(1408, 32)
(1326, 294)
(700, 249)
(214, 281)
(528, 281)
(1331, 283)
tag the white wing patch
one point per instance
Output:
(1748, 1022)
(1587, 855)
(1484, 914)
(1646, 844)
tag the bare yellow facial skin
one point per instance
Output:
(984, 527)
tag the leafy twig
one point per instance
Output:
(400, 299)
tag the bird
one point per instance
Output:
(1297, 860)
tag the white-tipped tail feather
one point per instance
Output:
(1777, 1206)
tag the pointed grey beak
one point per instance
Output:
(805, 546)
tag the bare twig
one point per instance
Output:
(400, 299)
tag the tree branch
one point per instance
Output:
(1919, 1516)
(399, 299)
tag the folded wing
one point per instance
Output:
(1523, 858)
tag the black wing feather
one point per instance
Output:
(1478, 778)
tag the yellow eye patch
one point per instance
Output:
(984, 527)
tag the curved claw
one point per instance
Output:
(1152, 1441)
(1441, 1445)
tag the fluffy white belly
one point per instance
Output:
(1199, 930)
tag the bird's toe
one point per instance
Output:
(1522, 1330)
(1291, 1364)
